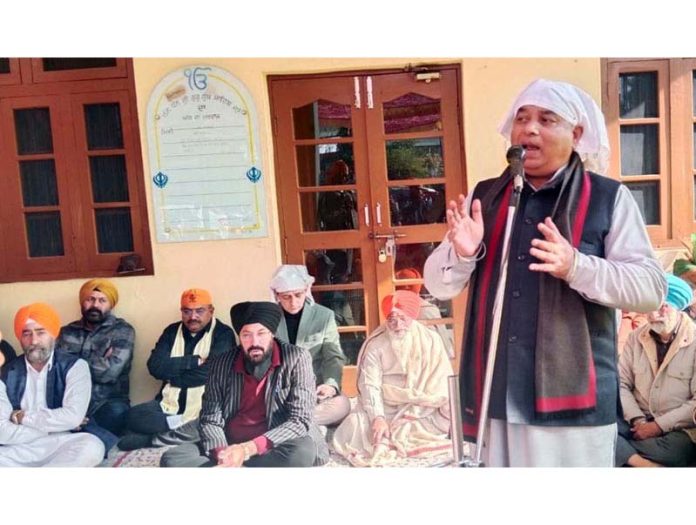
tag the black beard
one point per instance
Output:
(257, 360)
(93, 315)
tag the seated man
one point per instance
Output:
(312, 327)
(180, 361)
(403, 408)
(44, 397)
(106, 343)
(259, 402)
(658, 386)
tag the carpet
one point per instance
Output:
(150, 458)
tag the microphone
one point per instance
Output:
(515, 158)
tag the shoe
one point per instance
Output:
(134, 441)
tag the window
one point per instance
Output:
(649, 107)
(71, 171)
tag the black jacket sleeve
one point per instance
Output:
(160, 364)
(223, 340)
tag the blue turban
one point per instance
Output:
(679, 293)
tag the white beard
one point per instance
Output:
(658, 327)
(402, 345)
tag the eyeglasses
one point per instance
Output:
(249, 335)
(393, 318)
(199, 311)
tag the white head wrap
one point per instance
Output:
(574, 105)
(290, 277)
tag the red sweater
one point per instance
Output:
(251, 421)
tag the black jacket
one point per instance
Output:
(184, 372)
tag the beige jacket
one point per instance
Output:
(669, 393)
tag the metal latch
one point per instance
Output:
(428, 77)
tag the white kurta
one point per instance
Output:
(44, 437)
(408, 387)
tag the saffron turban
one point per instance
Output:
(266, 313)
(409, 273)
(195, 297)
(41, 313)
(404, 300)
(679, 294)
(99, 285)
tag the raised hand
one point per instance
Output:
(465, 231)
(555, 252)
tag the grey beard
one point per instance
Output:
(38, 357)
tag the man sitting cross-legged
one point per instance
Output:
(181, 360)
(402, 408)
(44, 397)
(259, 402)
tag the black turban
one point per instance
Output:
(250, 312)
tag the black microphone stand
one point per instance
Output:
(515, 158)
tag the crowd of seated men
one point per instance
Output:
(262, 392)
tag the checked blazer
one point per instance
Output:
(290, 399)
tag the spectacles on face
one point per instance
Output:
(188, 312)
(394, 319)
(249, 335)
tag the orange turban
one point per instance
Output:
(407, 302)
(100, 285)
(195, 297)
(42, 314)
(409, 273)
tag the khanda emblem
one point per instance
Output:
(160, 180)
(254, 174)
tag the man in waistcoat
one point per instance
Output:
(579, 250)
(44, 397)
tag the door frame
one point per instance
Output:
(350, 375)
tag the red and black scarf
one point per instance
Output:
(565, 381)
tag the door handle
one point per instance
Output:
(366, 209)
(356, 86)
(378, 213)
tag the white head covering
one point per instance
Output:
(291, 277)
(574, 105)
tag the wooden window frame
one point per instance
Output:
(66, 100)
(13, 77)
(120, 70)
(676, 120)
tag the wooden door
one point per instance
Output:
(365, 163)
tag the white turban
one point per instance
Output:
(574, 105)
(290, 277)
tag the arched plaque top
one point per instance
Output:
(205, 157)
